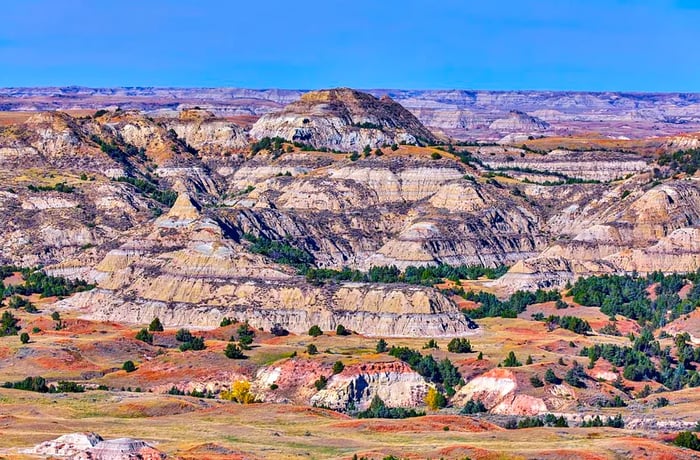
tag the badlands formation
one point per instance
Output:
(275, 212)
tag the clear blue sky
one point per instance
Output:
(651, 45)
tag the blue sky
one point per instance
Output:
(592, 45)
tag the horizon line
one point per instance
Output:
(356, 89)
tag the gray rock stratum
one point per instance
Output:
(343, 119)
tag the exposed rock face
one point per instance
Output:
(601, 166)
(207, 134)
(186, 272)
(408, 207)
(91, 446)
(497, 389)
(395, 383)
(343, 119)
(647, 231)
(464, 114)
(121, 449)
(519, 122)
(67, 445)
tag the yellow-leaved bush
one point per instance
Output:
(239, 392)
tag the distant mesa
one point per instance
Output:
(517, 121)
(344, 119)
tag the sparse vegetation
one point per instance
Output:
(156, 325)
(233, 351)
(459, 346)
(424, 275)
(144, 336)
(378, 409)
(239, 392)
(59, 187)
(688, 440)
(511, 360)
(321, 383)
(280, 251)
(9, 325)
(473, 407)
(435, 399)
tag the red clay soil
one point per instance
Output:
(213, 451)
(685, 290)
(474, 453)
(562, 454)
(648, 448)
(421, 424)
(307, 410)
(13, 280)
(463, 304)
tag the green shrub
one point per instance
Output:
(195, 344)
(473, 407)
(36, 384)
(183, 335)
(144, 336)
(576, 375)
(226, 322)
(551, 378)
(338, 367)
(156, 325)
(315, 331)
(245, 336)
(378, 409)
(24, 338)
(129, 366)
(459, 346)
(321, 383)
(688, 440)
(9, 325)
(511, 361)
(233, 351)
(382, 346)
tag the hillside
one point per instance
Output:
(529, 298)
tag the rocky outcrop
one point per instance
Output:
(677, 252)
(207, 134)
(464, 114)
(395, 383)
(343, 119)
(600, 166)
(519, 122)
(91, 446)
(122, 449)
(67, 445)
(185, 271)
(497, 389)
